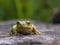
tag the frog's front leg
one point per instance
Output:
(35, 31)
(13, 31)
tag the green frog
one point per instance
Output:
(24, 28)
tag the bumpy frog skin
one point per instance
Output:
(25, 28)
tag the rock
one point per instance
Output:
(56, 16)
(28, 40)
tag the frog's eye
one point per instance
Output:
(18, 22)
(28, 22)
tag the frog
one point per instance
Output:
(24, 28)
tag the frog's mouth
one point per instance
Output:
(23, 28)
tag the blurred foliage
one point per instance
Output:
(27, 9)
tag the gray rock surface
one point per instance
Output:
(50, 36)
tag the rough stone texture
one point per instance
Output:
(50, 36)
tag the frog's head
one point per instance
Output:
(23, 23)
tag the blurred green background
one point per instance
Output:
(40, 10)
